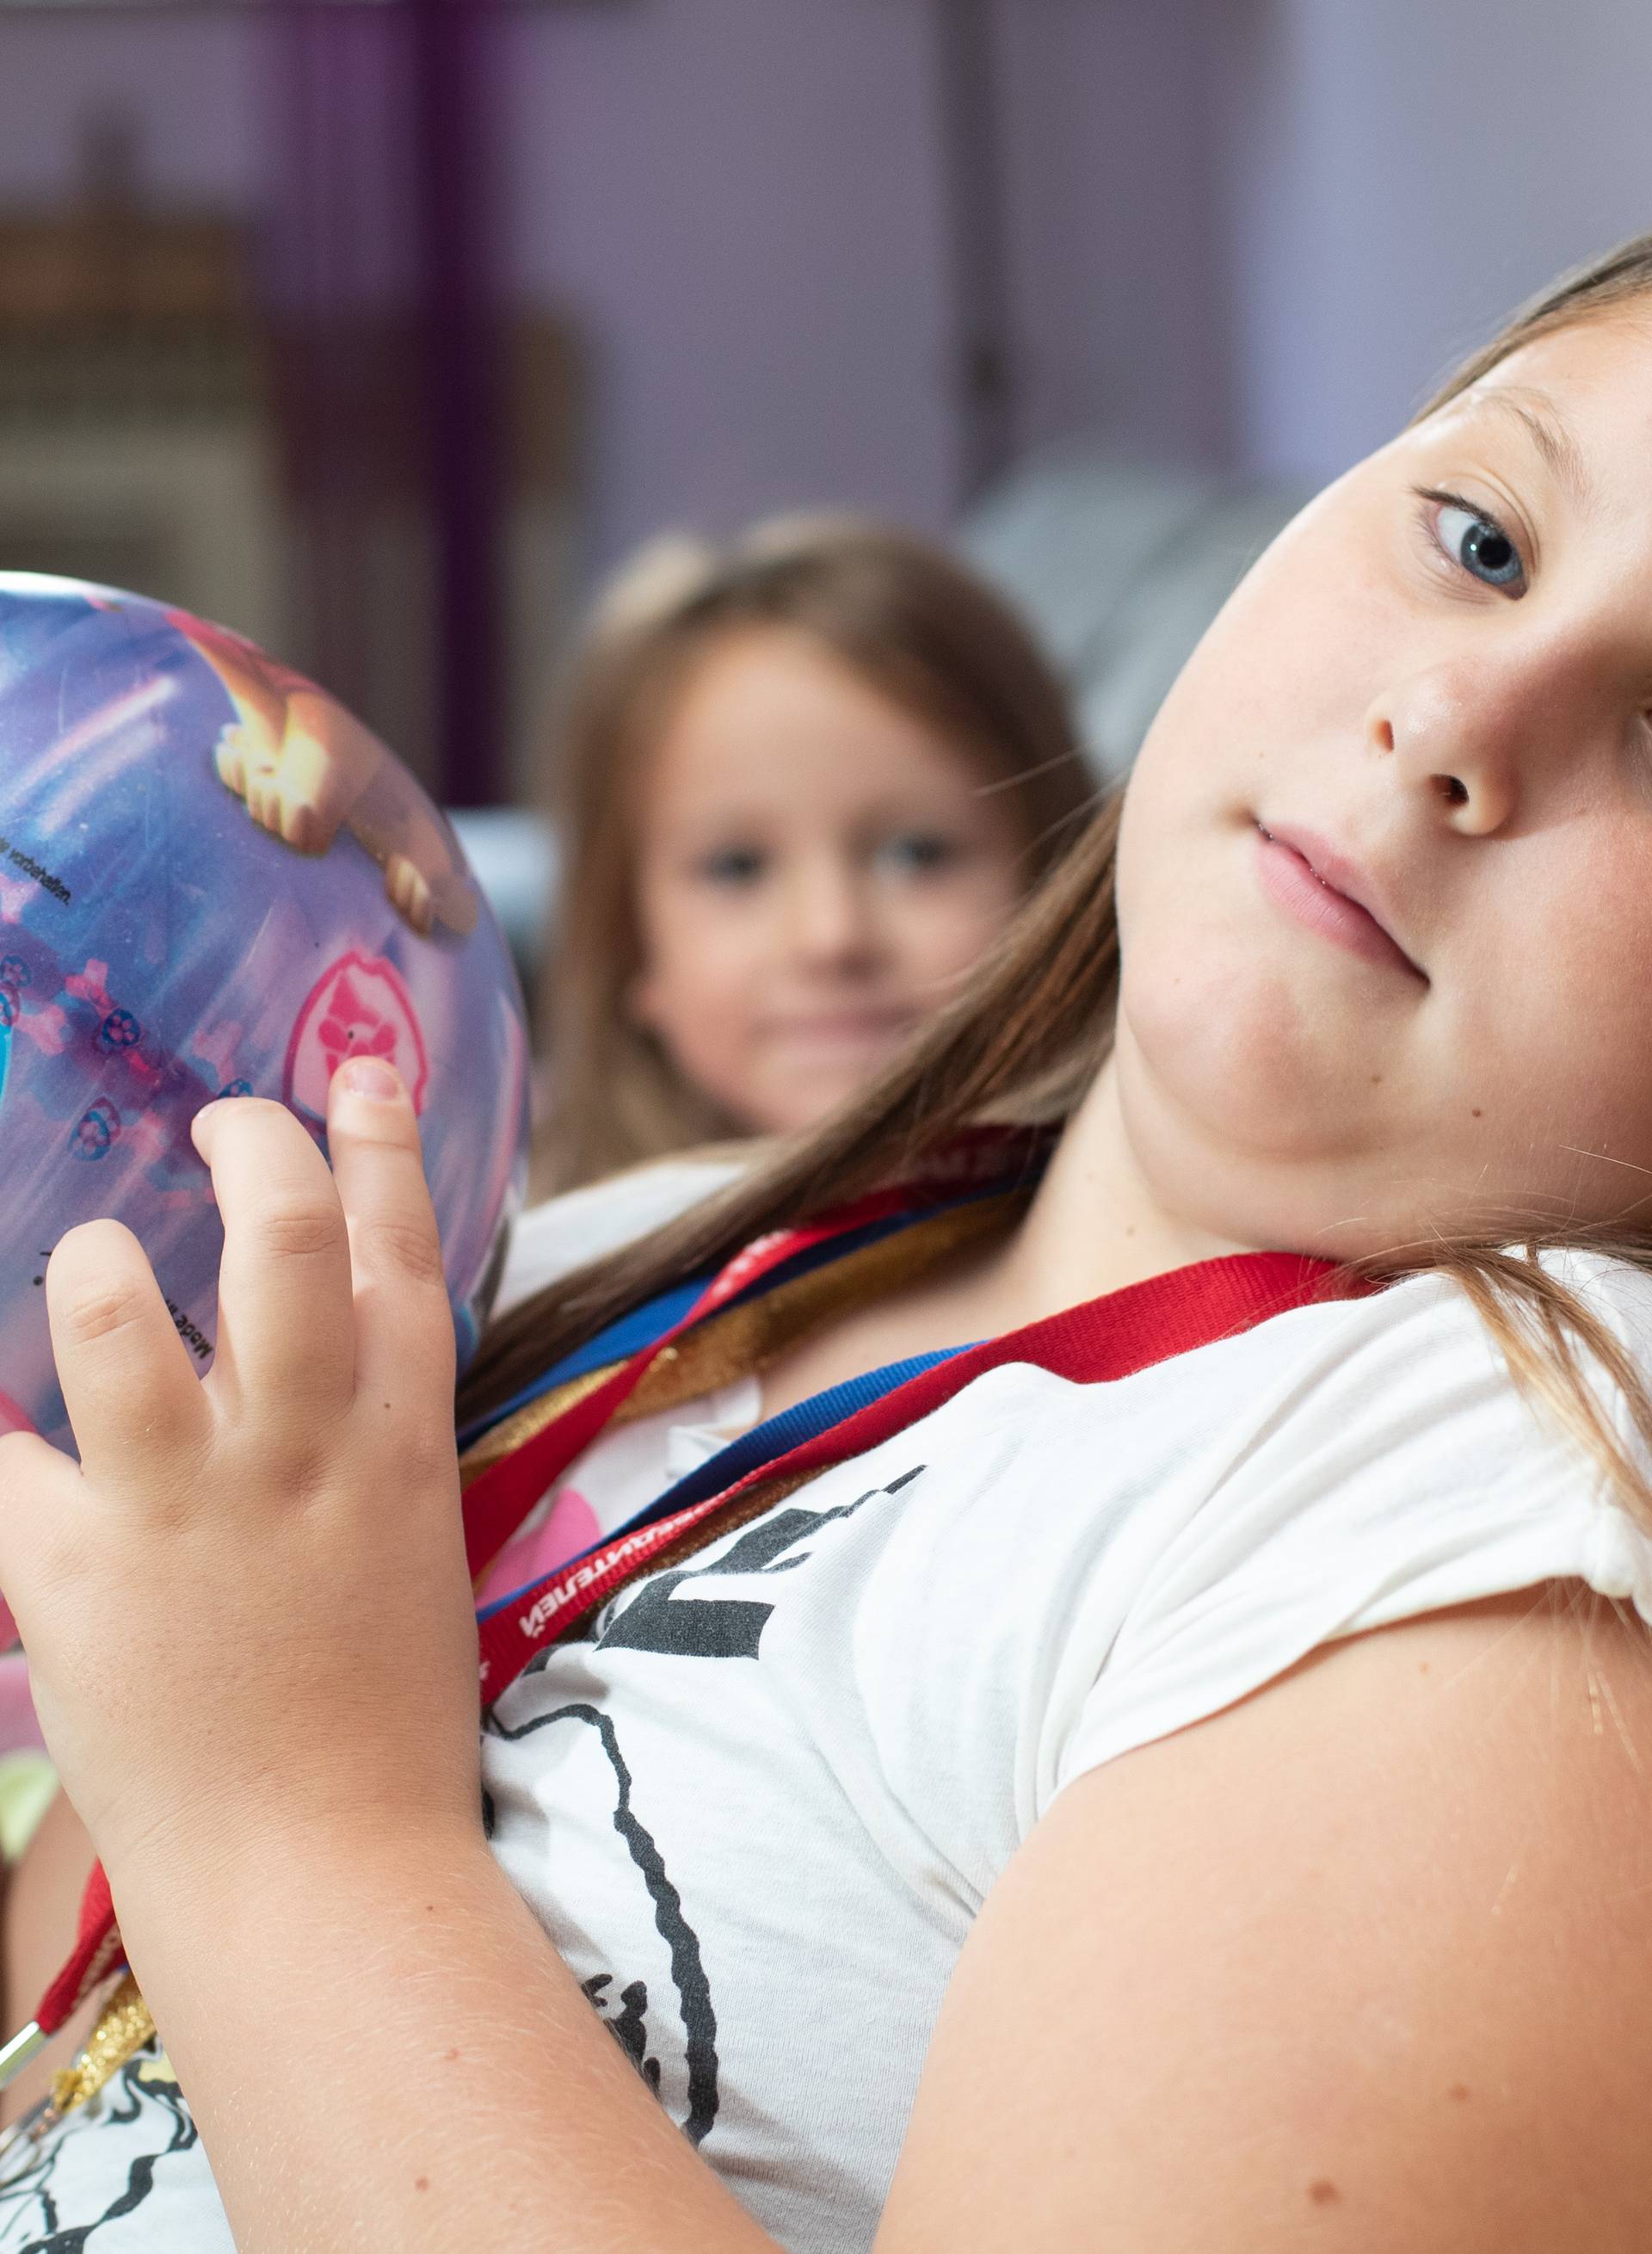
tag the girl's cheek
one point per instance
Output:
(946, 930)
(714, 953)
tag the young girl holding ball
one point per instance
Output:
(1142, 1744)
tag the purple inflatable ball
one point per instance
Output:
(214, 881)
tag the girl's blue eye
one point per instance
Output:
(732, 864)
(918, 852)
(1479, 544)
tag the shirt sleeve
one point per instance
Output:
(1404, 1474)
(551, 1240)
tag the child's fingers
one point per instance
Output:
(404, 1329)
(286, 1333)
(129, 1385)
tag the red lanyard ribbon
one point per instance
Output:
(500, 1498)
(1108, 1338)
(497, 1501)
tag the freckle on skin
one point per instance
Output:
(1324, 2192)
(420, 2183)
(1376, 1080)
(1473, 1114)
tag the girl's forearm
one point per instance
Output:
(382, 2050)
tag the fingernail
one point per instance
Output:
(370, 1076)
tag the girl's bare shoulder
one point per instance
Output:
(1364, 1960)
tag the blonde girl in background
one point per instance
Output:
(801, 783)
(1143, 1744)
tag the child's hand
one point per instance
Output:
(246, 1610)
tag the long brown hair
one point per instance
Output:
(1024, 1039)
(902, 615)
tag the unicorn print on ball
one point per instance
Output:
(306, 768)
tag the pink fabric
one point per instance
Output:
(570, 1526)
(19, 1731)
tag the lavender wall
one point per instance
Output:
(738, 202)
(1401, 173)
(198, 84)
(1112, 187)
(743, 201)
(1243, 228)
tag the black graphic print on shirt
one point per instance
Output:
(143, 2098)
(722, 1628)
(660, 2013)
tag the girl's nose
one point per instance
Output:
(829, 914)
(1465, 765)
(1472, 735)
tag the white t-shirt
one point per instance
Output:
(551, 1240)
(757, 1810)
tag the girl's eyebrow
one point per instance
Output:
(1540, 419)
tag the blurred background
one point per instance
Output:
(379, 329)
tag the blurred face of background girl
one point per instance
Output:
(816, 868)
(802, 783)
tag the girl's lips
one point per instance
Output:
(1292, 881)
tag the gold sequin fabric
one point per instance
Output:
(123, 2029)
(744, 1340)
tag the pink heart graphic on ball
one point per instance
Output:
(358, 1007)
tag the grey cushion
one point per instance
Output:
(1120, 567)
(514, 859)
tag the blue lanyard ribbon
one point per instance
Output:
(764, 1444)
(641, 1326)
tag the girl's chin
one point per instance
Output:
(830, 1054)
(809, 1088)
(1269, 1088)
